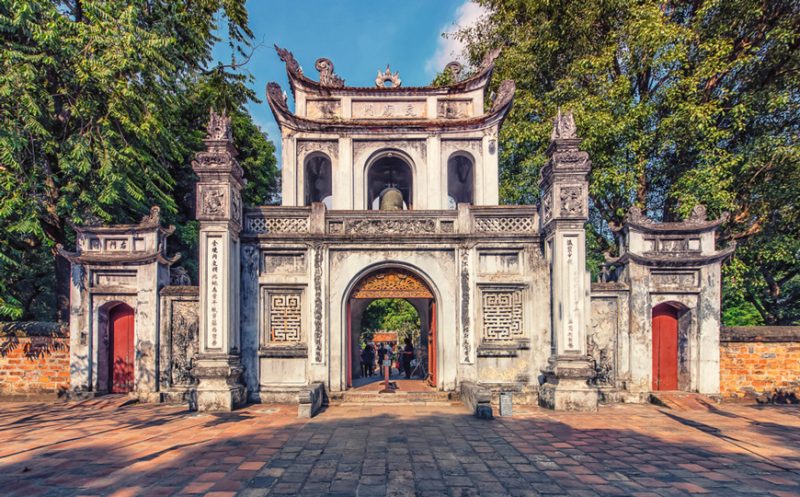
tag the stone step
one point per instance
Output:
(399, 397)
(683, 401)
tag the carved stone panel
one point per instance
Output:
(283, 315)
(113, 277)
(212, 201)
(284, 262)
(571, 201)
(397, 109)
(499, 263)
(501, 312)
(602, 339)
(184, 341)
(454, 109)
(323, 109)
(675, 279)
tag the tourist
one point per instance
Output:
(408, 356)
(381, 356)
(366, 360)
(372, 355)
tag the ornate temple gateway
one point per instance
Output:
(392, 192)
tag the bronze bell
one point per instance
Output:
(391, 200)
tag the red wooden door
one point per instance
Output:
(432, 346)
(121, 353)
(665, 348)
(349, 380)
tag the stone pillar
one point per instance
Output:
(565, 209)
(219, 210)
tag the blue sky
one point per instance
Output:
(359, 36)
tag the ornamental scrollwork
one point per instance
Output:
(326, 75)
(391, 226)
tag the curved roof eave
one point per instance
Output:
(290, 120)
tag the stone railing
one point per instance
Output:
(277, 220)
(283, 221)
(505, 219)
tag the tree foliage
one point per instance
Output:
(102, 106)
(678, 103)
(391, 315)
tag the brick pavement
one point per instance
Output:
(64, 450)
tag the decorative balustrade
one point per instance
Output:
(283, 221)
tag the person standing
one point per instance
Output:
(381, 356)
(366, 360)
(408, 356)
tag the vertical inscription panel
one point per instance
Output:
(572, 285)
(214, 291)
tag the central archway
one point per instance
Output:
(393, 283)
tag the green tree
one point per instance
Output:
(102, 106)
(679, 103)
(391, 315)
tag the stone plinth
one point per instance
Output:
(566, 386)
(221, 387)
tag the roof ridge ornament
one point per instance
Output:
(288, 57)
(387, 77)
(454, 68)
(326, 75)
(564, 126)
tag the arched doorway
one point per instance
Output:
(665, 347)
(120, 350)
(393, 283)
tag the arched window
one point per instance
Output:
(386, 176)
(318, 183)
(459, 179)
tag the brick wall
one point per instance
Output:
(34, 359)
(762, 362)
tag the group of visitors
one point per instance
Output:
(376, 357)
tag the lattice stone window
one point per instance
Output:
(277, 225)
(503, 224)
(283, 315)
(501, 313)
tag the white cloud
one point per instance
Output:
(448, 48)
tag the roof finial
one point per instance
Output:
(564, 126)
(219, 126)
(388, 77)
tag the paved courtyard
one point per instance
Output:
(66, 450)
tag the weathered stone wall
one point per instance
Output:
(34, 359)
(760, 362)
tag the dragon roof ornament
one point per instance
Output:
(330, 83)
(326, 75)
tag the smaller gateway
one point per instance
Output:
(392, 192)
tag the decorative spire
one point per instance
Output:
(219, 127)
(564, 126)
(388, 77)
(326, 75)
